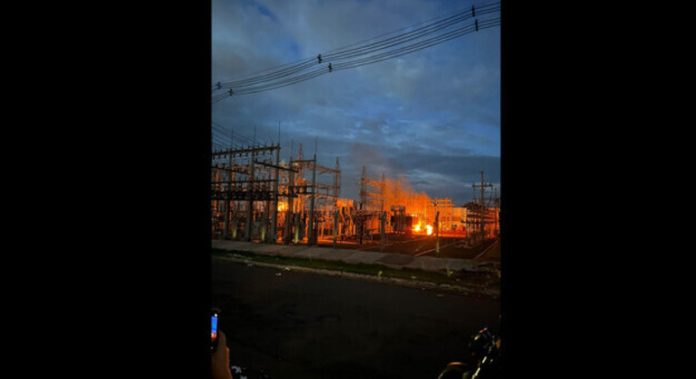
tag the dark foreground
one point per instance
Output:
(303, 325)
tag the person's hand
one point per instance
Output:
(220, 366)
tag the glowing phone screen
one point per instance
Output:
(213, 327)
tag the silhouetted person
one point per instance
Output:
(319, 58)
(330, 68)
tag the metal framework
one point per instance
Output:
(255, 196)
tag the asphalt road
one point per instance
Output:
(305, 325)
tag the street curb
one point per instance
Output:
(460, 290)
(261, 249)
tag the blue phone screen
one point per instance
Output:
(213, 327)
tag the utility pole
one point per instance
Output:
(228, 201)
(437, 231)
(310, 226)
(382, 192)
(276, 185)
(299, 231)
(483, 210)
(497, 212)
(226, 209)
(250, 196)
(482, 206)
(382, 226)
(337, 183)
(289, 214)
(234, 204)
(215, 176)
(363, 188)
(337, 193)
(335, 227)
(363, 205)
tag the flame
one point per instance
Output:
(429, 229)
(417, 228)
(282, 206)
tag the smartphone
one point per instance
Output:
(214, 329)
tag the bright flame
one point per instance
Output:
(429, 229)
(282, 206)
(417, 228)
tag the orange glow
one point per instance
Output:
(282, 206)
(395, 193)
(399, 192)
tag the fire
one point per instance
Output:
(419, 229)
(282, 206)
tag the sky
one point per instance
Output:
(432, 116)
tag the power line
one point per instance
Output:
(375, 58)
(216, 127)
(230, 133)
(363, 62)
(409, 36)
(365, 49)
(221, 128)
(285, 68)
(417, 46)
(408, 27)
(219, 141)
(273, 75)
(301, 78)
(347, 53)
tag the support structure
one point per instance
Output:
(482, 208)
(253, 189)
(242, 179)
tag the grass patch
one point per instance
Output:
(477, 279)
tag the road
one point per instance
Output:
(305, 325)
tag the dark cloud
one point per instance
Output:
(431, 116)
